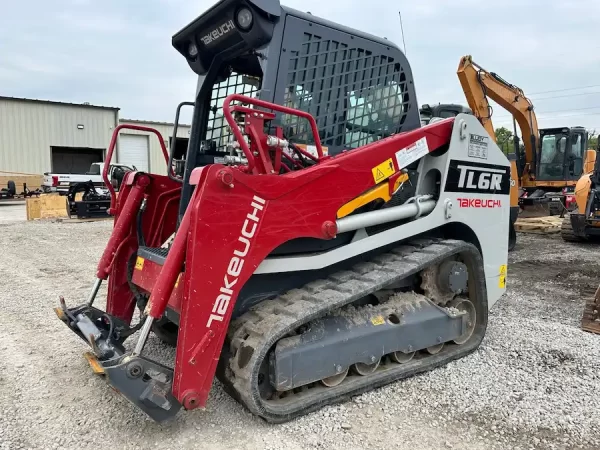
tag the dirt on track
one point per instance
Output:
(533, 383)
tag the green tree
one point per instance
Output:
(504, 139)
(593, 140)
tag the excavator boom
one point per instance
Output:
(478, 84)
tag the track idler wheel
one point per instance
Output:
(366, 369)
(402, 358)
(464, 305)
(435, 349)
(334, 380)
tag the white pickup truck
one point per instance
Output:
(60, 182)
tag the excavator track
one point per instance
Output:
(566, 231)
(244, 364)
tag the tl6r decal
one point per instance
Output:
(465, 176)
(479, 203)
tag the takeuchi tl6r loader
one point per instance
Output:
(325, 244)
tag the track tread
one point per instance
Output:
(260, 328)
(566, 231)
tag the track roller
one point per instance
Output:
(365, 369)
(335, 379)
(402, 358)
(435, 349)
(462, 304)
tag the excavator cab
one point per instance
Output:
(441, 110)
(561, 154)
(584, 223)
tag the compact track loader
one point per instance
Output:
(314, 242)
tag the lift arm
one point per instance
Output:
(479, 84)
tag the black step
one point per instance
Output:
(155, 254)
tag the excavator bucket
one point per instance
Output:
(591, 314)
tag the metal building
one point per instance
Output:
(38, 136)
(143, 150)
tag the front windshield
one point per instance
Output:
(552, 157)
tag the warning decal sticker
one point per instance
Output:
(139, 263)
(383, 170)
(478, 146)
(502, 279)
(377, 320)
(410, 154)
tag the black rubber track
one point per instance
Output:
(566, 231)
(254, 334)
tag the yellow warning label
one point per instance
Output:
(502, 281)
(502, 278)
(139, 263)
(383, 170)
(377, 320)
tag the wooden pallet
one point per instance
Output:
(539, 225)
(47, 206)
(590, 321)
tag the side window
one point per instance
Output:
(358, 118)
(94, 169)
(576, 150)
(372, 114)
(356, 95)
(298, 98)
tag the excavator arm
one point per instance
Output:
(479, 85)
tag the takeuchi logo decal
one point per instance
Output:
(236, 262)
(479, 203)
(218, 32)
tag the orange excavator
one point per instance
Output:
(553, 159)
(554, 166)
(583, 224)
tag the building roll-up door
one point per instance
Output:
(133, 151)
(74, 160)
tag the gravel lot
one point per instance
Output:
(534, 383)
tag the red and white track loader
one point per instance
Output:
(325, 244)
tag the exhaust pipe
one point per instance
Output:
(413, 208)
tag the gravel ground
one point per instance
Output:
(533, 383)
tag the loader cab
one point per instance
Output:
(358, 87)
(443, 111)
(561, 154)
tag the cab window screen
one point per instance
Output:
(355, 95)
(218, 129)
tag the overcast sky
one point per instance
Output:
(119, 53)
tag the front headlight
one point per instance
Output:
(192, 50)
(244, 19)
